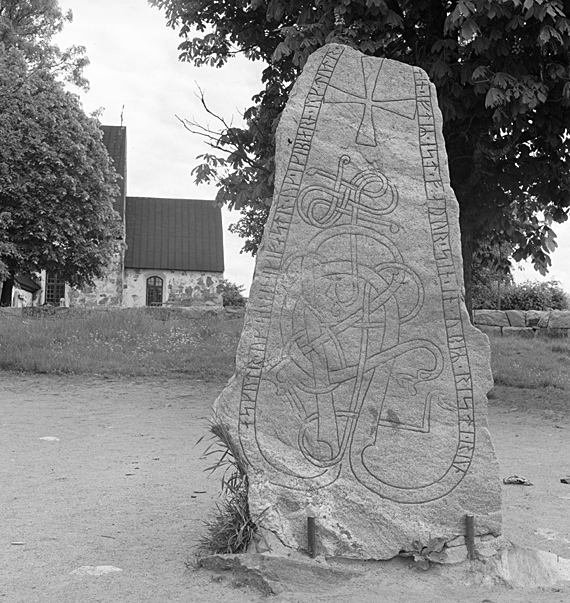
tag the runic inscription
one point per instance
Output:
(359, 395)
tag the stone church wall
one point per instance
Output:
(180, 288)
(106, 292)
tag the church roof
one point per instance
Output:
(27, 283)
(174, 234)
(115, 139)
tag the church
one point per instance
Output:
(173, 253)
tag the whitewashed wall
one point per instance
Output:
(22, 298)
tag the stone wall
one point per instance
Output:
(186, 289)
(180, 288)
(105, 292)
(524, 323)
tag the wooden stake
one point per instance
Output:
(311, 537)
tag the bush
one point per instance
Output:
(525, 296)
(231, 293)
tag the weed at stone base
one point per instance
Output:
(231, 529)
(426, 554)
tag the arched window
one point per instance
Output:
(154, 291)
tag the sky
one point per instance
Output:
(134, 64)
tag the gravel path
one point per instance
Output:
(103, 495)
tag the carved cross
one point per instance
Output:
(371, 70)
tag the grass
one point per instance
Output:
(531, 363)
(121, 342)
(140, 342)
(231, 528)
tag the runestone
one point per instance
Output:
(359, 396)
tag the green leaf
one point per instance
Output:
(422, 563)
(550, 240)
(437, 544)
(440, 69)
(465, 8)
(494, 97)
(502, 80)
(469, 30)
(563, 25)
(480, 73)
(546, 33)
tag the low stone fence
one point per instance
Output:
(7, 313)
(158, 312)
(524, 323)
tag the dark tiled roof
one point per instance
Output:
(174, 234)
(115, 139)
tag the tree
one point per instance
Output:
(57, 183)
(525, 296)
(29, 26)
(501, 69)
(491, 272)
(6, 247)
(232, 294)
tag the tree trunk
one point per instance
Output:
(467, 157)
(6, 297)
(467, 253)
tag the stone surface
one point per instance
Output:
(537, 318)
(360, 389)
(274, 575)
(559, 319)
(509, 568)
(544, 320)
(516, 318)
(491, 318)
(106, 292)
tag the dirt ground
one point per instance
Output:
(102, 476)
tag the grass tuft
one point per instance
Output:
(231, 529)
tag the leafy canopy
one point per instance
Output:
(57, 183)
(501, 69)
(29, 26)
(524, 296)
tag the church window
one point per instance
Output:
(153, 291)
(55, 288)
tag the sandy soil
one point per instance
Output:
(119, 482)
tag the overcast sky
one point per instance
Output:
(134, 63)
